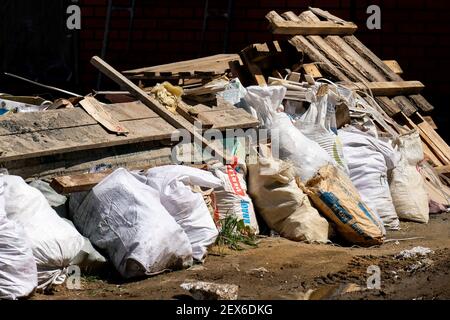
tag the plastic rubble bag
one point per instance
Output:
(407, 185)
(306, 155)
(124, 217)
(231, 198)
(369, 160)
(88, 259)
(337, 199)
(318, 123)
(54, 242)
(282, 204)
(187, 207)
(288, 143)
(18, 272)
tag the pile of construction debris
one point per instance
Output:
(314, 137)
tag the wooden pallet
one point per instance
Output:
(202, 68)
(339, 56)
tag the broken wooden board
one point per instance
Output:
(394, 66)
(78, 183)
(386, 88)
(253, 68)
(281, 26)
(95, 109)
(28, 135)
(312, 70)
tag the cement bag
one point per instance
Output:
(407, 185)
(231, 199)
(18, 273)
(187, 207)
(334, 195)
(369, 160)
(282, 204)
(124, 217)
(319, 124)
(54, 242)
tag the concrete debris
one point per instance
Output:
(211, 291)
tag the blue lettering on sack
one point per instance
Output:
(245, 211)
(332, 202)
(367, 213)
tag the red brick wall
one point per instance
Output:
(414, 32)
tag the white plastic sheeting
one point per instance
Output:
(124, 216)
(187, 207)
(54, 242)
(369, 160)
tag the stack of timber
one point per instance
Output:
(328, 49)
(134, 135)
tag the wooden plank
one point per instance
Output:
(421, 102)
(435, 137)
(405, 105)
(147, 154)
(29, 145)
(281, 26)
(394, 66)
(388, 89)
(338, 44)
(192, 115)
(93, 107)
(19, 123)
(78, 183)
(389, 106)
(152, 104)
(430, 122)
(314, 54)
(217, 64)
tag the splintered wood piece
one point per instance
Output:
(95, 109)
(312, 70)
(153, 104)
(394, 66)
(281, 26)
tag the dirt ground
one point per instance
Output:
(281, 269)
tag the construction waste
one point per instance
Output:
(331, 169)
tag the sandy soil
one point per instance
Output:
(281, 269)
